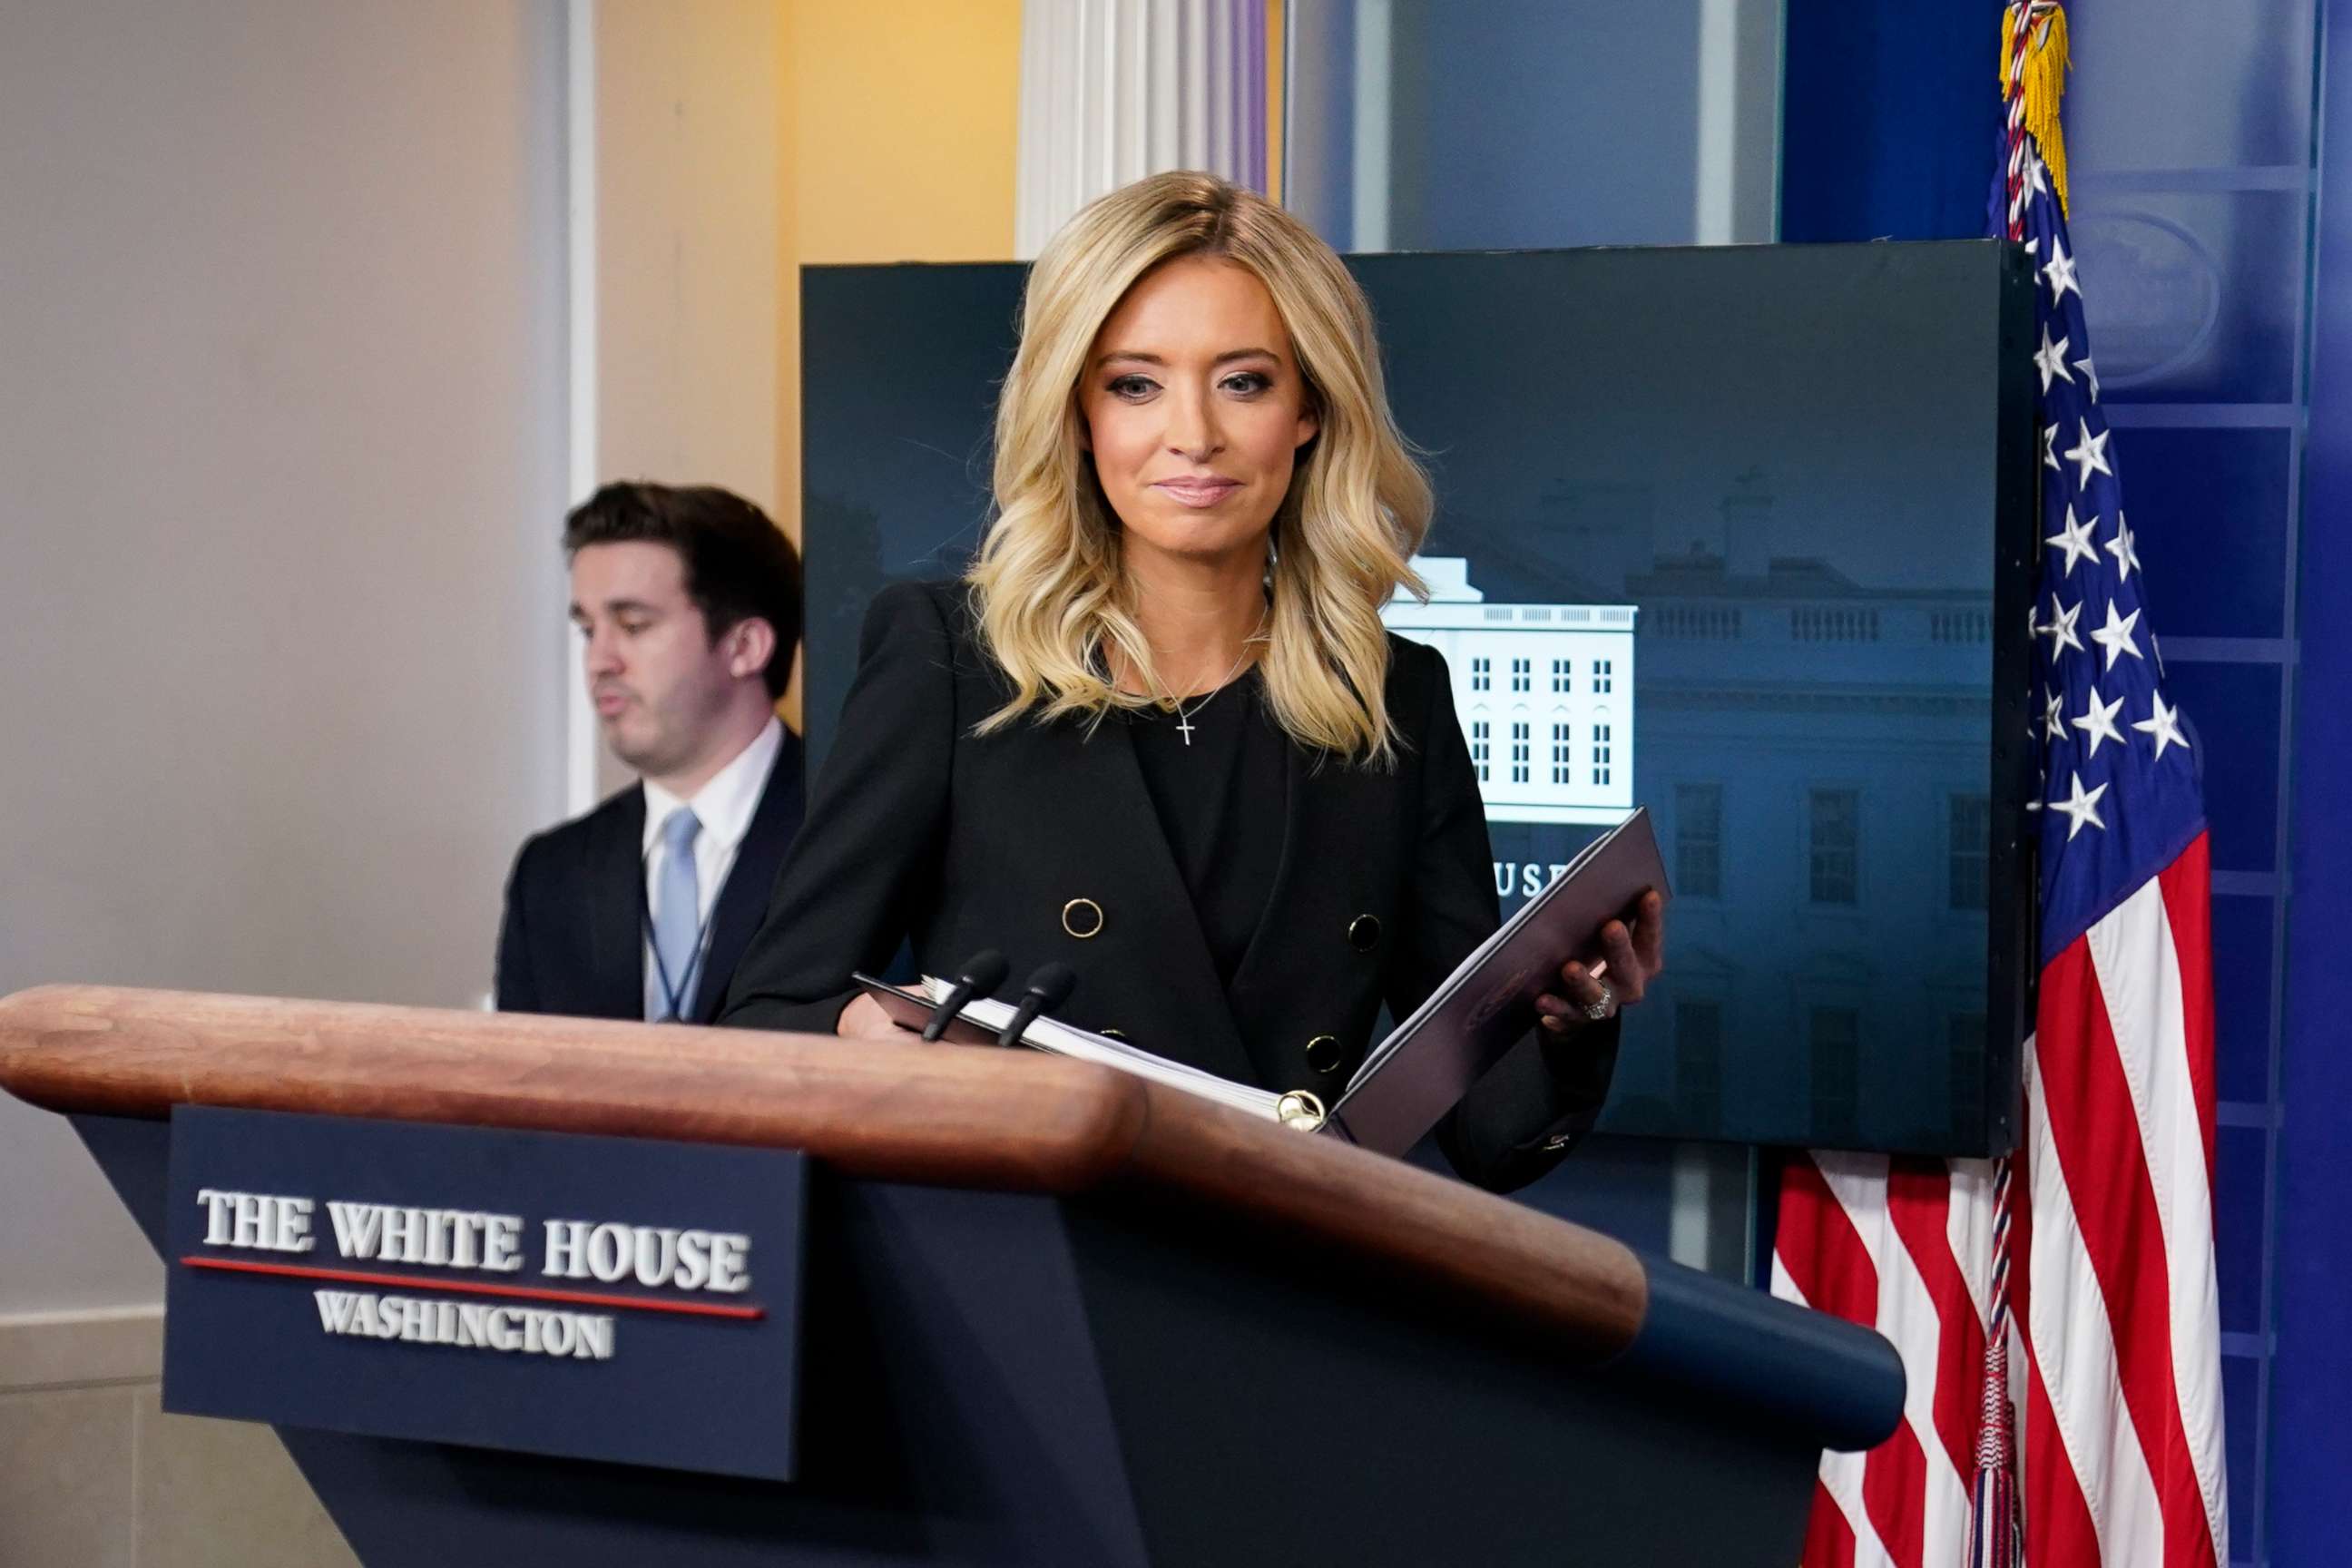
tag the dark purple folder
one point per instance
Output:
(1482, 1009)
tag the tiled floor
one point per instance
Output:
(99, 1477)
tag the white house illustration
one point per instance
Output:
(1545, 692)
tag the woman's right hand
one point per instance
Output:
(863, 1019)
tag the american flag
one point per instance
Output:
(2099, 1230)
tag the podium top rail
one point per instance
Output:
(938, 1115)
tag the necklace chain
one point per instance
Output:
(1184, 725)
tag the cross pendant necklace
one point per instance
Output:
(1184, 725)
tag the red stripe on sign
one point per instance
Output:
(1919, 1201)
(2105, 1164)
(478, 1288)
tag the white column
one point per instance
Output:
(1738, 165)
(1375, 87)
(1112, 90)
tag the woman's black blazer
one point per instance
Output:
(1040, 840)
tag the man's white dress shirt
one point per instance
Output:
(724, 806)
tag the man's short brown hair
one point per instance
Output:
(738, 564)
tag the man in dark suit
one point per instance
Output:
(688, 605)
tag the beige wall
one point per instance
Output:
(689, 134)
(902, 128)
(283, 429)
(688, 141)
(737, 140)
(899, 146)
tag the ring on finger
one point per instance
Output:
(1603, 1006)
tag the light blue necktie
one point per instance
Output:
(677, 919)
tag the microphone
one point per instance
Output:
(984, 972)
(1048, 988)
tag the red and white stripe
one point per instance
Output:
(2116, 1319)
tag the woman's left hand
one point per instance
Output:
(1635, 957)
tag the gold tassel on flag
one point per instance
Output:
(2042, 82)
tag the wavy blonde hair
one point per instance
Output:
(1051, 596)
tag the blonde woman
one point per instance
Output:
(1159, 731)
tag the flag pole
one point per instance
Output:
(1996, 1528)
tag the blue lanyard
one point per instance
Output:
(674, 998)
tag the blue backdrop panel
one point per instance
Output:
(1887, 119)
(2311, 1444)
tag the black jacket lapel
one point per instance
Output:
(1263, 944)
(616, 891)
(1330, 878)
(745, 898)
(1257, 977)
(1099, 784)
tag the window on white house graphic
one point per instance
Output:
(1519, 751)
(1834, 845)
(1836, 1043)
(1563, 674)
(1698, 840)
(1480, 750)
(1519, 672)
(1698, 1061)
(1482, 674)
(1965, 1033)
(1968, 861)
(1603, 676)
(1563, 752)
(1601, 753)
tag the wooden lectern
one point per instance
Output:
(1052, 1314)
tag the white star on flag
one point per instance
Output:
(2053, 717)
(2091, 452)
(2075, 539)
(2050, 360)
(2164, 723)
(2089, 374)
(2061, 274)
(2116, 637)
(2080, 807)
(2060, 628)
(2098, 722)
(2049, 448)
(2120, 547)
